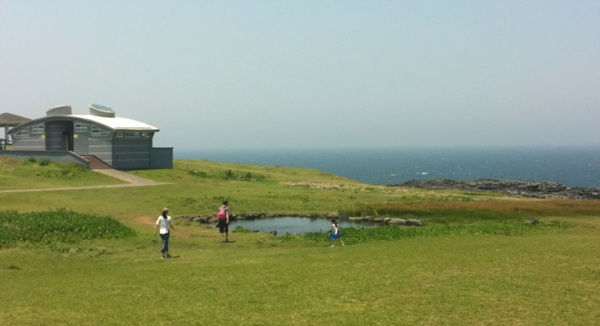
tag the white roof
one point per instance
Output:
(116, 122)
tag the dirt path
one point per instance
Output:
(132, 181)
(129, 178)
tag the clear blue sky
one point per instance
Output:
(313, 74)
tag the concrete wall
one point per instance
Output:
(162, 158)
(102, 148)
(132, 153)
(55, 156)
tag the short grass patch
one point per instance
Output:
(36, 173)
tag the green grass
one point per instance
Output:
(40, 173)
(474, 262)
(542, 279)
(497, 227)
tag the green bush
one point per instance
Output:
(199, 174)
(229, 175)
(44, 161)
(57, 226)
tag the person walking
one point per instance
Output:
(335, 233)
(223, 221)
(164, 224)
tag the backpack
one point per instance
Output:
(221, 214)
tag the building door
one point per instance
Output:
(68, 141)
(59, 135)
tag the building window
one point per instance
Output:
(23, 133)
(132, 134)
(119, 134)
(37, 129)
(99, 132)
(146, 134)
(81, 127)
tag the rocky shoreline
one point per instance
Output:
(520, 188)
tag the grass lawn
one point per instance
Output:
(477, 280)
(545, 277)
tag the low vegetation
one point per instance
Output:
(497, 227)
(57, 226)
(35, 173)
(89, 256)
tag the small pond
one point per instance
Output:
(295, 225)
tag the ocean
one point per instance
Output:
(573, 167)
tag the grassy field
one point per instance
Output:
(473, 263)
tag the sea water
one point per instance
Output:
(573, 167)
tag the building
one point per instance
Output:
(121, 143)
(9, 120)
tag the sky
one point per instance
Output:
(313, 74)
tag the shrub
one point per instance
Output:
(229, 175)
(44, 161)
(57, 226)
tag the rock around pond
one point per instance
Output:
(295, 225)
(281, 225)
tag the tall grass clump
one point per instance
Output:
(57, 226)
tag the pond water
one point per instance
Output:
(294, 225)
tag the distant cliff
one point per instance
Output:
(523, 188)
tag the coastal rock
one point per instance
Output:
(185, 218)
(532, 222)
(413, 222)
(396, 221)
(521, 188)
(200, 220)
(333, 215)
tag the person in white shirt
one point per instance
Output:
(164, 224)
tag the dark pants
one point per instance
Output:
(223, 226)
(165, 240)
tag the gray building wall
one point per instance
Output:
(132, 153)
(162, 158)
(102, 148)
(82, 143)
(29, 140)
